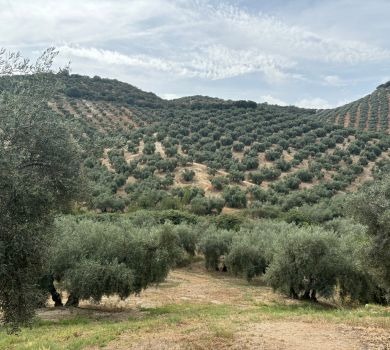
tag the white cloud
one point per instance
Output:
(161, 42)
(315, 102)
(213, 63)
(170, 96)
(273, 100)
(275, 36)
(215, 42)
(113, 57)
(334, 80)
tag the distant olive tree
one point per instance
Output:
(188, 175)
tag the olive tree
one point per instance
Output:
(39, 175)
(371, 207)
(91, 259)
(306, 262)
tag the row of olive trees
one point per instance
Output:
(304, 262)
(91, 259)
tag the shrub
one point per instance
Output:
(234, 197)
(188, 175)
(304, 175)
(149, 148)
(219, 182)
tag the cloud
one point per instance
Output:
(273, 100)
(170, 96)
(215, 41)
(316, 102)
(113, 57)
(215, 62)
(277, 37)
(334, 80)
(193, 45)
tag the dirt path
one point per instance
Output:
(295, 335)
(246, 326)
(196, 286)
(388, 114)
(367, 125)
(357, 119)
(160, 149)
(347, 120)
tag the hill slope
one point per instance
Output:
(204, 154)
(371, 112)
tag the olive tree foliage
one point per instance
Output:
(306, 262)
(371, 207)
(214, 244)
(39, 172)
(301, 261)
(91, 259)
(247, 257)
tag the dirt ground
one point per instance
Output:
(244, 328)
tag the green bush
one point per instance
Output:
(307, 262)
(234, 197)
(188, 175)
(214, 244)
(219, 182)
(91, 259)
(246, 257)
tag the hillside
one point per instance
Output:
(371, 112)
(298, 252)
(207, 154)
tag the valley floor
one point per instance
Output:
(195, 309)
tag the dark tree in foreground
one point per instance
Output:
(371, 206)
(39, 172)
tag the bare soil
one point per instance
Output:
(194, 285)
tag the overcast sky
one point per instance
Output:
(309, 53)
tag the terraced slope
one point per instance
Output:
(240, 153)
(371, 112)
(208, 154)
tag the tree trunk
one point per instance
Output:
(313, 295)
(306, 295)
(293, 294)
(72, 301)
(56, 297)
(47, 283)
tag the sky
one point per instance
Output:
(309, 53)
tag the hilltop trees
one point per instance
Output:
(39, 175)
